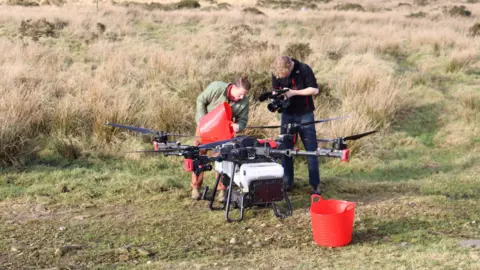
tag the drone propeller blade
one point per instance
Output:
(349, 138)
(323, 120)
(142, 151)
(137, 129)
(214, 144)
(302, 124)
(325, 140)
(155, 151)
(278, 126)
(189, 136)
(149, 131)
(181, 135)
(358, 136)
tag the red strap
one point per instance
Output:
(271, 142)
(188, 165)
(295, 88)
(345, 154)
(229, 90)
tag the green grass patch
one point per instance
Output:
(123, 213)
(421, 123)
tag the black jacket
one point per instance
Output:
(301, 77)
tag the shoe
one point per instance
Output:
(221, 195)
(316, 190)
(195, 194)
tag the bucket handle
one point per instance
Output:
(316, 196)
(350, 206)
(231, 129)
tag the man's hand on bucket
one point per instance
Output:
(235, 127)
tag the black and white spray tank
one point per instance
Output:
(249, 168)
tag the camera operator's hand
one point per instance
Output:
(235, 127)
(289, 93)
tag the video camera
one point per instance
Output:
(278, 103)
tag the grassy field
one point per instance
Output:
(71, 198)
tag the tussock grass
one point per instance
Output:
(299, 51)
(183, 4)
(419, 14)
(421, 2)
(140, 85)
(292, 4)
(253, 10)
(461, 11)
(350, 6)
(137, 85)
(22, 3)
(460, 60)
(475, 30)
(380, 99)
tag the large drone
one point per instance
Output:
(247, 166)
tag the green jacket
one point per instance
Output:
(215, 94)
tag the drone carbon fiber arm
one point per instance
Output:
(321, 152)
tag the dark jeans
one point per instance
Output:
(309, 139)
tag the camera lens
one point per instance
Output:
(272, 107)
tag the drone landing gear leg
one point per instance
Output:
(289, 205)
(229, 197)
(214, 192)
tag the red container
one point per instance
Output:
(332, 221)
(188, 164)
(217, 124)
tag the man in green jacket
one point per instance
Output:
(235, 94)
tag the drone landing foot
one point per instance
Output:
(289, 210)
(240, 204)
(229, 200)
(212, 198)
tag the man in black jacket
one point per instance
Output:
(299, 78)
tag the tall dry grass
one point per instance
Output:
(147, 67)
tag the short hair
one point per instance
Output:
(281, 67)
(242, 81)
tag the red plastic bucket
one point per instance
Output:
(332, 221)
(216, 125)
